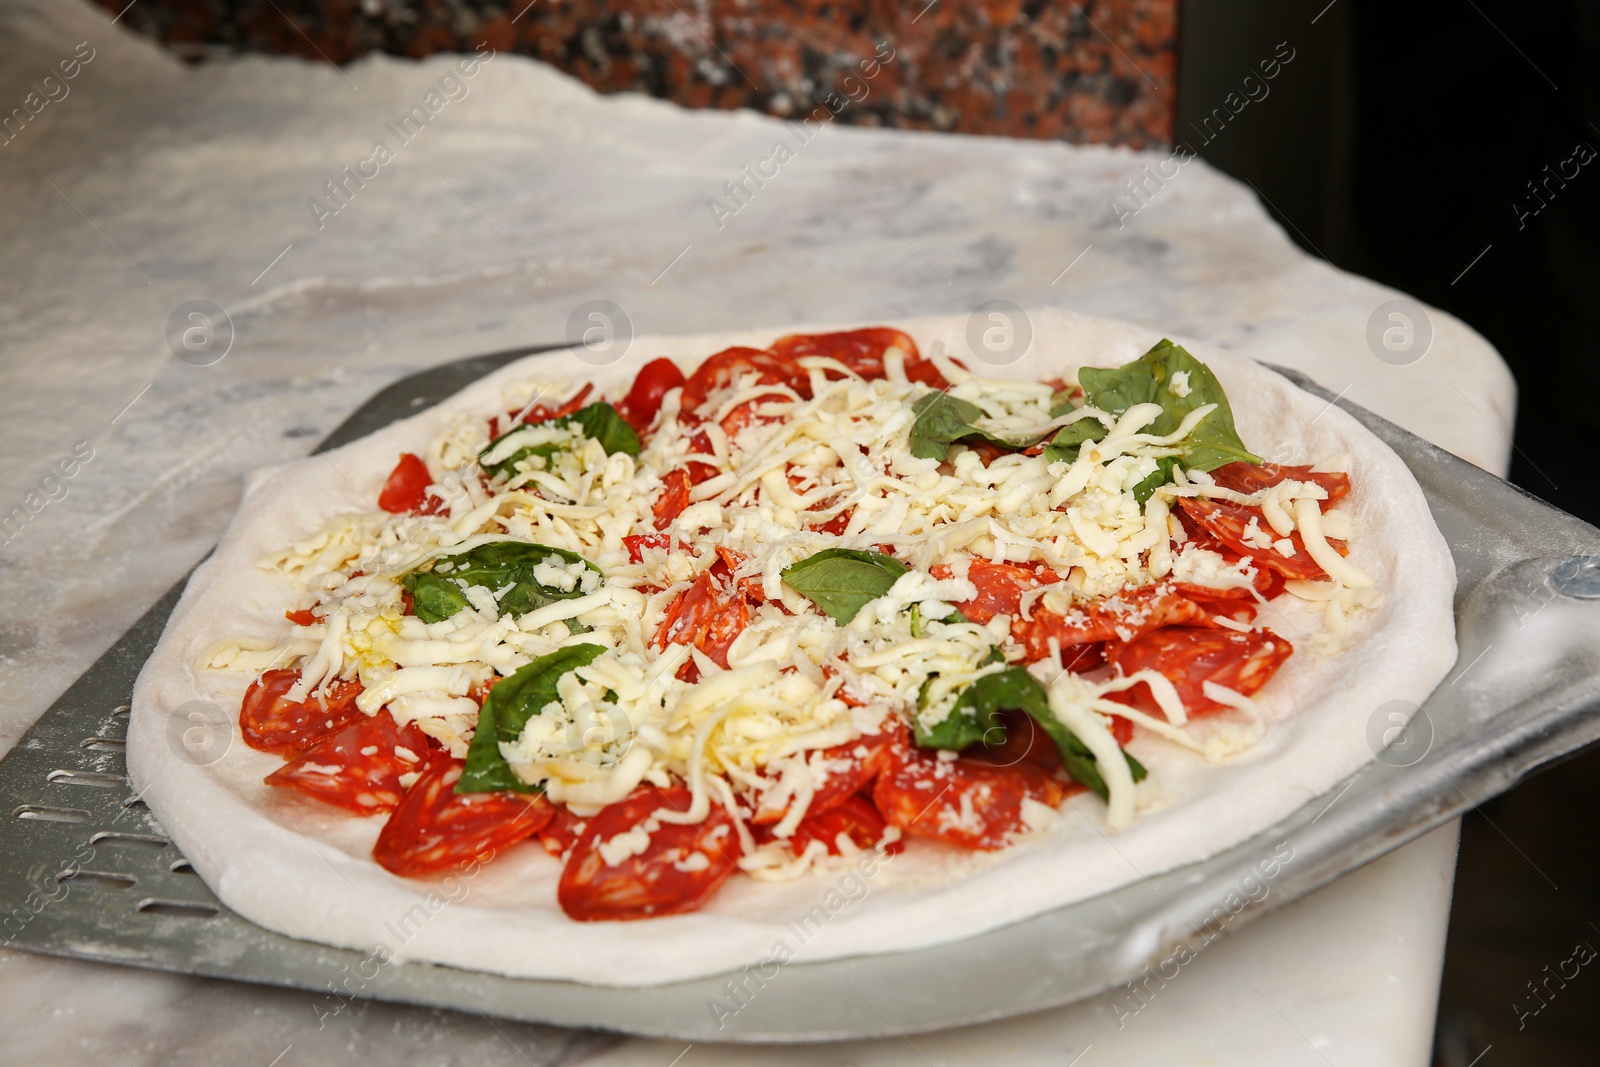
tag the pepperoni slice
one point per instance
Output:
(1189, 657)
(643, 402)
(434, 828)
(724, 368)
(271, 722)
(540, 413)
(637, 544)
(1237, 603)
(847, 769)
(749, 413)
(862, 351)
(855, 817)
(1244, 477)
(562, 831)
(673, 499)
(407, 489)
(1001, 587)
(704, 617)
(357, 768)
(963, 801)
(1227, 522)
(672, 868)
(1117, 618)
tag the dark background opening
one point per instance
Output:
(1403, 151)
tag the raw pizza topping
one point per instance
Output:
(800, 602)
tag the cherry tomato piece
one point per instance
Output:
(434, 828)
(271, 722)
(407, 489)
(643, 402)
(677, 867)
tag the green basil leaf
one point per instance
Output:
(842, 581)
(433, 596)
(507, 709)
(977, 711)
(943, 420)
(436, 593)
(1148, 380)
(1072, 436)
(599, 421)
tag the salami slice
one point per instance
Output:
(854, 817)
(1189, 657)
(271, 722)
(963, 801)
(1244, 477)
(673, 499)
(1130, 613)
(358, 767)
(724, 368)
(434, 828)
(630, 865)
(848, 769)
(1228, 522)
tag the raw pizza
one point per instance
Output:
(689, 640)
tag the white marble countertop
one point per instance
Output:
(150, 184)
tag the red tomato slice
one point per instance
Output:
(721, 370)
(302, 617)
(407, 489)
(673, 499)
(1227, 521)
(1129, 613)
(1001, 587)
(849, 769)
(271, 722)
(434, 828)
(643, 402)
(963, 801)
(561, 832)
(357, 768)
(1189, 657)
(704, 617)
(1244, 477)
(854, 816)
(678, 870)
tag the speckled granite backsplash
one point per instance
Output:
(1099, 71)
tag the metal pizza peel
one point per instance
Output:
(86, 872)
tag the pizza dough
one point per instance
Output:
(304, 869)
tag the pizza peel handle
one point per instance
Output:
(86, 872)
